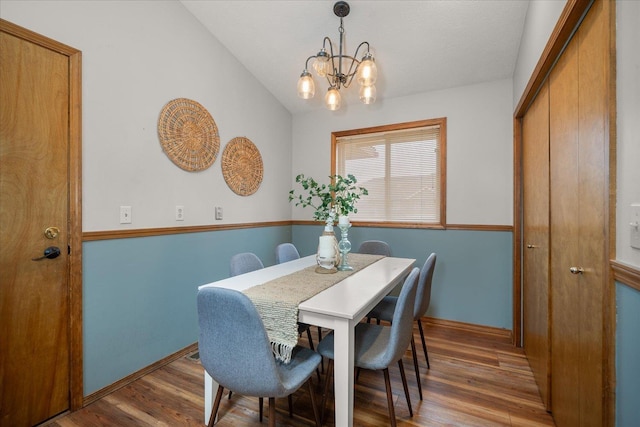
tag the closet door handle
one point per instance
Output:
(576, 270)
(531, 246)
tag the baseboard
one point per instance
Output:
(138, 374)
(470, 327)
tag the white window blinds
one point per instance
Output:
(400, 169)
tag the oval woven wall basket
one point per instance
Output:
(242, 166)
(188, 135)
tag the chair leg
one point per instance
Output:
(230, 393)
(310, 339)
(325, 392)
(290, 401)
(316, 414)
(415, 365)
(320, 339)
(216, 406)
(387, 384)
(404, 385)
(424, 344)
(260, 402)
(312, 348)
(272, 412)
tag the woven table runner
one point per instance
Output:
(277, 301)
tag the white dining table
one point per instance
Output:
(340, 308)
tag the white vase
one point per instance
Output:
(328, 254)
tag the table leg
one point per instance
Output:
(343, 372)
(208, 396)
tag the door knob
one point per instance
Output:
(531, 246)
(51, 252)
(576, 270)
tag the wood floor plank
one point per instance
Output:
(475, 379)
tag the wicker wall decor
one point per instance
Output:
(188, 134)
(242, 166)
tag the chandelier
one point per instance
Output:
(340, 69)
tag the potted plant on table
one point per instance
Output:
(336, 199)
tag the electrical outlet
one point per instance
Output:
(218, 212)
(125, 214)
(179, 213)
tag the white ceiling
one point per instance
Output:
(419, 46)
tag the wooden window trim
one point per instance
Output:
(442, 122)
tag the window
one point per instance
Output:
(403, 168)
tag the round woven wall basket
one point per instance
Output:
(242, 166)
(188, 134)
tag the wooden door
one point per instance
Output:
(579, 223)
(35, 177)
(535, 183)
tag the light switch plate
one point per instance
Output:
(218, 212)
(634, 226)
(125, 214)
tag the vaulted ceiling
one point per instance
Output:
(419, 46)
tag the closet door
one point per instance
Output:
(535, 183)
(579, 223)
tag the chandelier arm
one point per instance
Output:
(324, 44)
(352, 72)
(330, 79)
(332, 58)
(346, 78)
(306, 64)
(355, 55)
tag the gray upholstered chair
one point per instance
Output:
(286, 252)
(244, 263)
(374, 247)
(377, 347)
(386, 308)
(235, 350)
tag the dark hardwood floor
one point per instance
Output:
(476, 379)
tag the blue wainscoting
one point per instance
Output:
(473, 280)
(139, 294)
(627, 356)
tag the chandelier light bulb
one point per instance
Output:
(321, 64)
(306, 87)
(332, 99)
(368, 94)
(367, 71)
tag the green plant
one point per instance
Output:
(339, 197)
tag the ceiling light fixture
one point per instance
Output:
(340, 69)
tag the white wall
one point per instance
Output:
(479, 145)
(542, 16)
(628, 129)
(137, 56)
